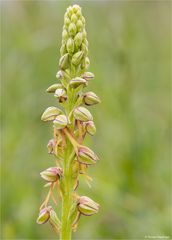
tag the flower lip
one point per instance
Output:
(50, 146)
(59, 92)
(59, 74)
(61, 95)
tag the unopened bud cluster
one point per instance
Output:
(74, 49)
(72, 120)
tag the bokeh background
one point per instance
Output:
(130, 56)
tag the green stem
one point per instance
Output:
(66, 225)
(67, 201)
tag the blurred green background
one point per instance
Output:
(130, 56)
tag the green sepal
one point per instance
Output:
(70, 45)
(78, 39)
(82, 114)
(64, 61)
(76, 82)
(90, 128)
(50, 114)
(53, 87)
(77, 57)
(72, 29)
(87, 156)
(90, 98)
(87, 206)
(60, 122)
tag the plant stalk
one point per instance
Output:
(66, 227)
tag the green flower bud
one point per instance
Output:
(50, 146)
(66, 14)
(63, 41)
(84, 48)
(87, 156)
(90, 128)
(44, 215)
(90, 98)
(61, 95)
(60, 122)
(66, 21)
(63, 49)
(76, 82)
(87, 62)
(64, 61)
(72, 29)
(78, 39)
(70, 46)
(76, 8)
(53, 87)
(87, 206)
(78, 13)
(52, 174)
(64, 34)
(83, 64)
(50, 114)
(84, 34)
(74, 18)
(79, 25)
(87, 76)
(70, 11)
(85, 41)
(82, 114)
(77, 57)
(83, 20)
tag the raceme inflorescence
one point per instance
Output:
(71, 123)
